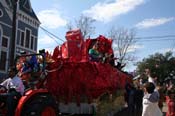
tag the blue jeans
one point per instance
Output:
(11, 101)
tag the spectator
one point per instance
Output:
(138, 100)
(160, 89)
(127, 89)
(150, 101)
(129, 98)
(150, 76)
(171, 102)
(24, 72)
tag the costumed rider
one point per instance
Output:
(26, 68)
(94, 54)
(15, 90)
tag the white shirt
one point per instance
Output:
(150, 79)
(14, 82)
(150, 108)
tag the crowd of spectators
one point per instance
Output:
(147, 98)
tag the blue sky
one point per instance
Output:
(148, 17)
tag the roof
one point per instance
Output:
(25, 6)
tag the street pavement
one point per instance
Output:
(125, 112)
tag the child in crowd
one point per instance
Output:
(150, 101)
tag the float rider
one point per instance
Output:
(15, 90)
(94, 54)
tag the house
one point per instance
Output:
(27, 25)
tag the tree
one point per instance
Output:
(123, 40)
(162, 65)
(85, 24)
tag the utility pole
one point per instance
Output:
(13, 39)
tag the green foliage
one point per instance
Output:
(161, 65)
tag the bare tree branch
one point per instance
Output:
(69, 26)
(123, 39)
(85, 24)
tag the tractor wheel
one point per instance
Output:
(40, 105)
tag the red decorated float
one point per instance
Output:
(73, 77)
(68, 76)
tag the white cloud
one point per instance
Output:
(147, 23)
(45, 42)
(106, 11)
(132, 48)
(166, 50)
(51, 19)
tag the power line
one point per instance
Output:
(52, 38)
(51, 34)
(152, 37)
(157, 38)
(144, 40)
(173, 46)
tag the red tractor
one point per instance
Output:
(67, 77)
(37, 100)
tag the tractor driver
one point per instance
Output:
(15, 90)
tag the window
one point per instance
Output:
(4, 42)
(35, 44)
(3, 60)
(31, 44)
(22, 38)
(27, 38)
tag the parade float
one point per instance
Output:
(68, 82)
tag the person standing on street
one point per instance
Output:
(150, 101)
(171, 102)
